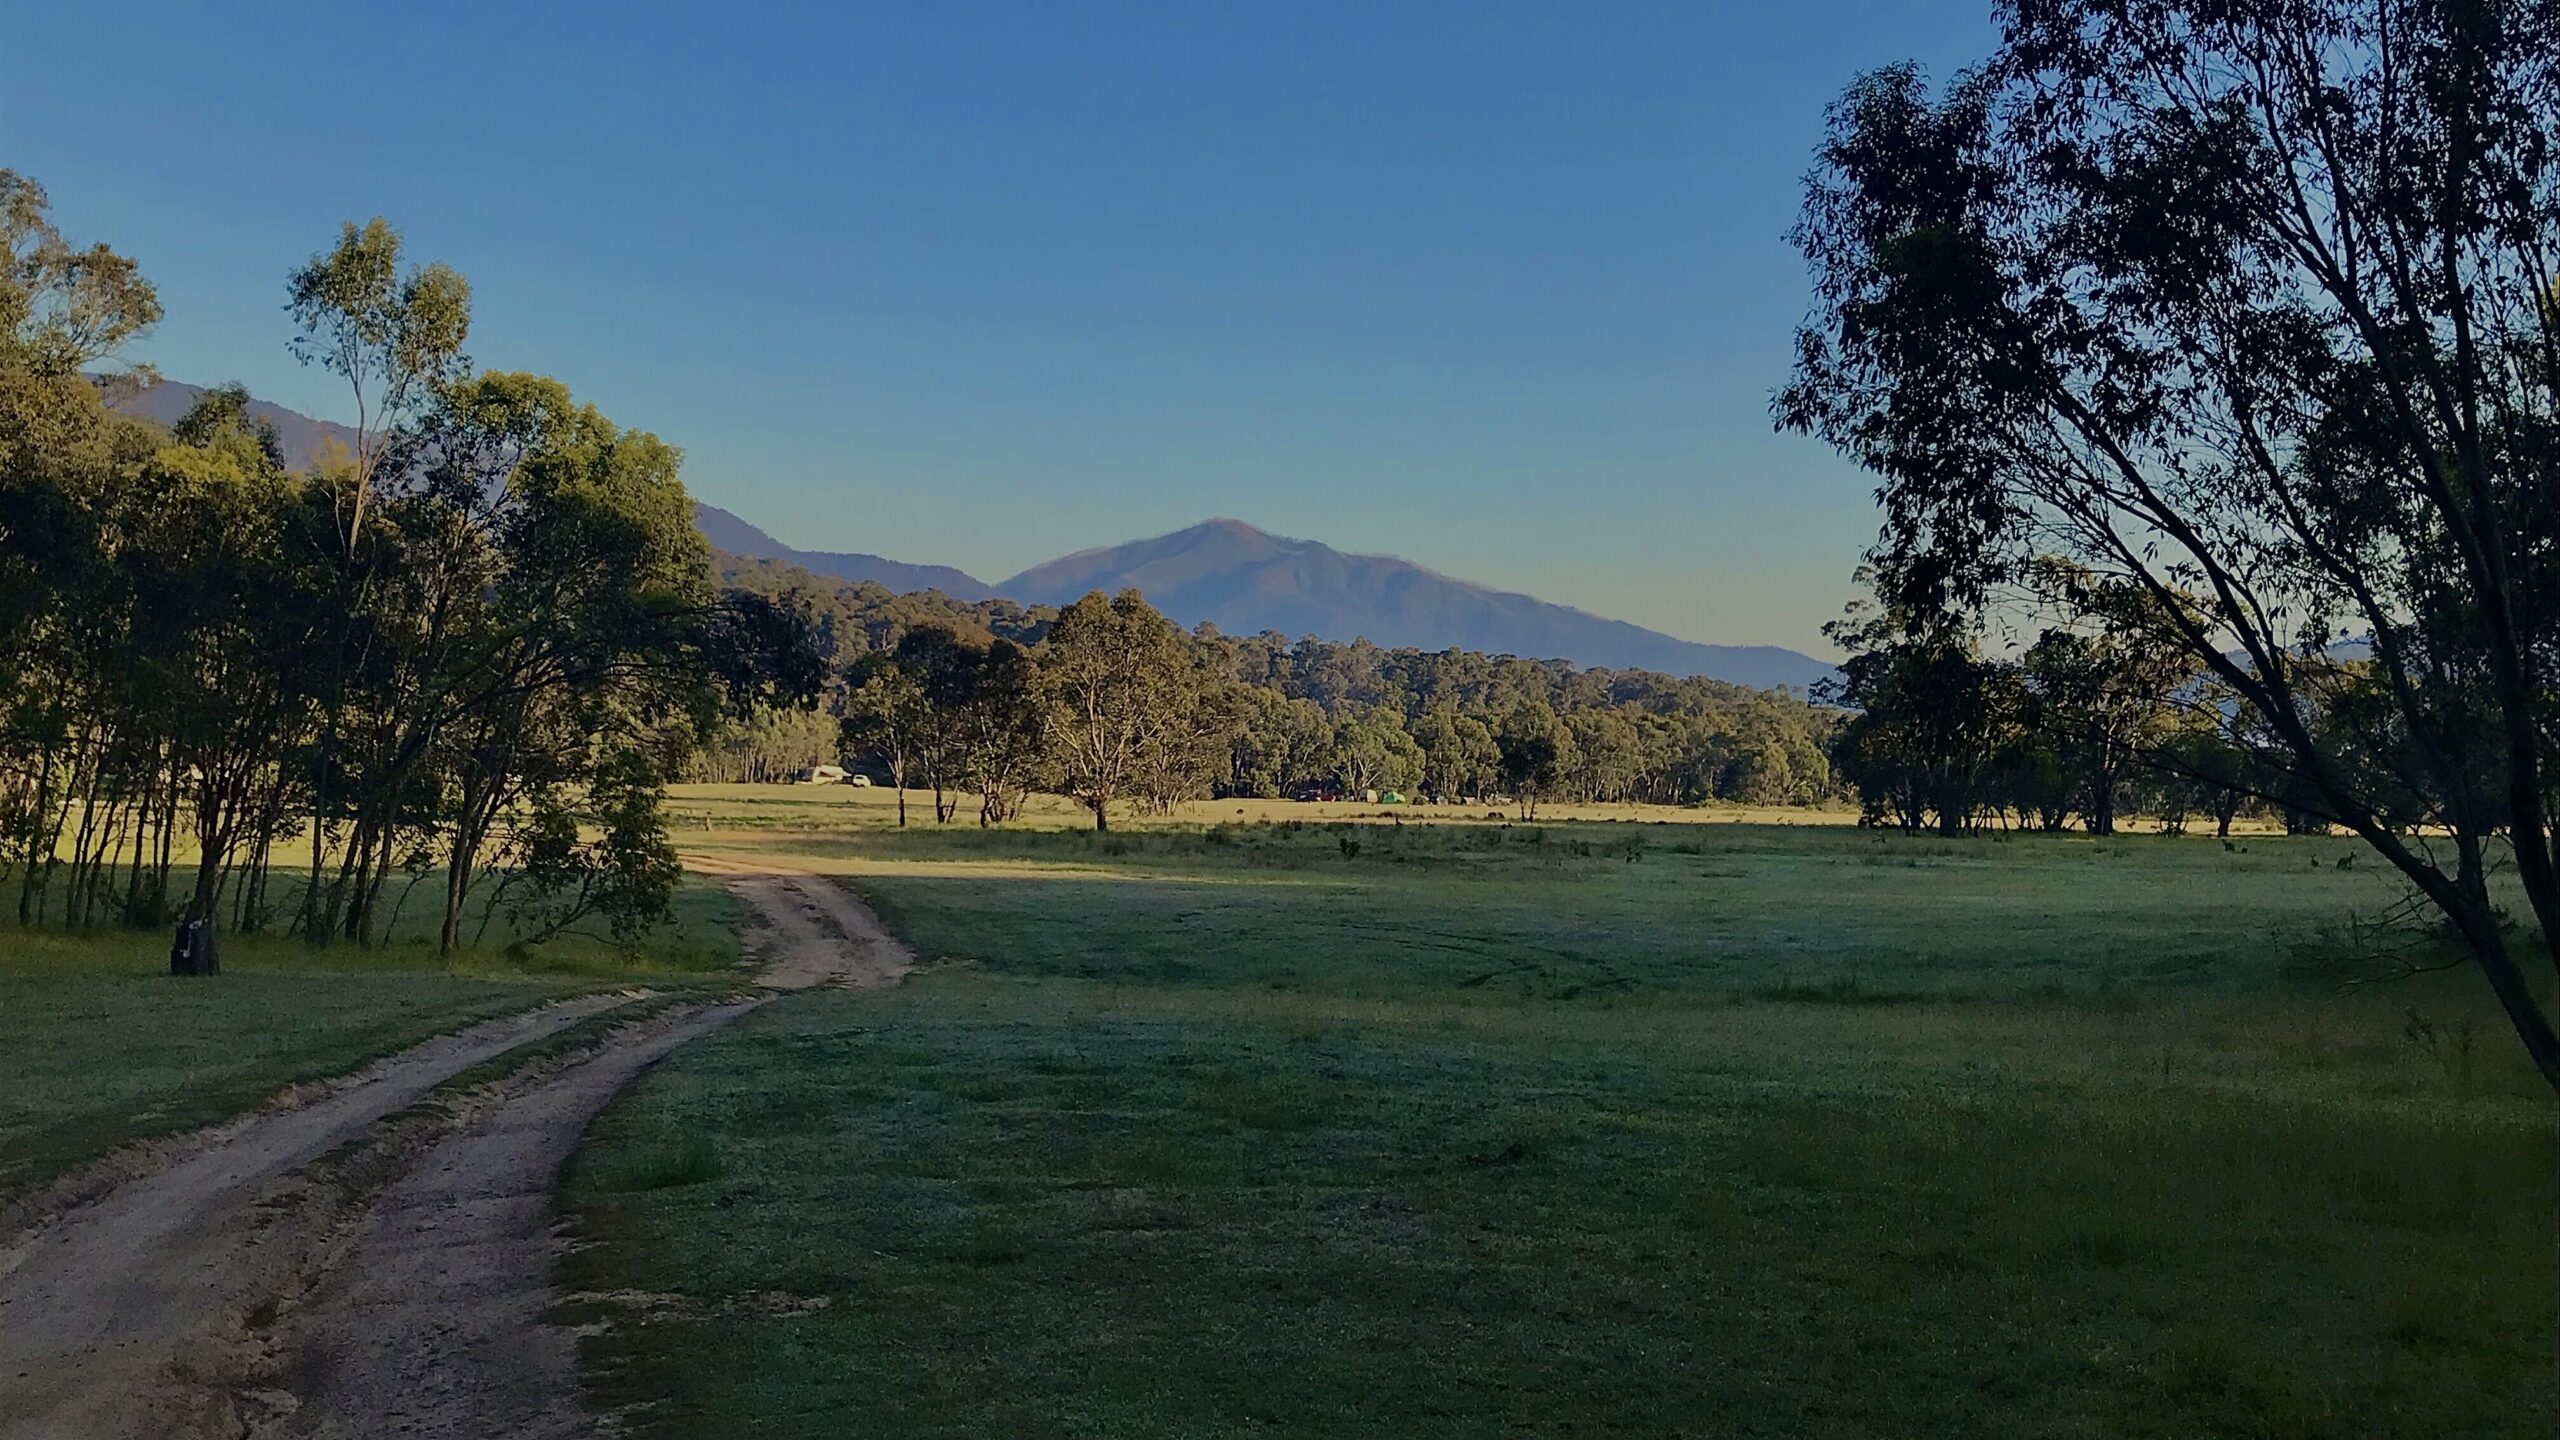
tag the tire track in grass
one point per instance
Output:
(251, 1287)
(437, 1325)
(102, 1304)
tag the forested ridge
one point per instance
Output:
(1273, 715)
(2083, 725)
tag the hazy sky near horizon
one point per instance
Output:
(1502, 288)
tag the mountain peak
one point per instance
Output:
(1245, 580)
(1229, 525)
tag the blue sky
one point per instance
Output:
(1501, 288)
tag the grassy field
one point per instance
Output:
(1582, 1128)
(99, 1045)
(821, 809)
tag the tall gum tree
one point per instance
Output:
(395, 337)
(1121, 689)
(65, 310)
(2247, 306)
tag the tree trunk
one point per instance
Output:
(457, 890)
(315, 925)
(34, 838)
(208, 888)
(458, 870)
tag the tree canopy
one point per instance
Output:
(491, 633)
(2248, 309)
(1267, 715)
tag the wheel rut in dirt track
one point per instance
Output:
(434, 1326)
(812, 932)
(96, 1304)
(237, 1292)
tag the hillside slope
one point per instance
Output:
(1245, 580)
(168, 401)
(727, 532)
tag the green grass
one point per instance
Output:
(1614, 1130)
(810, 809)
(1581, 912)
(99, 1045)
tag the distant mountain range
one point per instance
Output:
(1244, 581)
(1226, 572)
(727, 532)
(168, 402)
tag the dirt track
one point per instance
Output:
(811, 932)
(242, 1290)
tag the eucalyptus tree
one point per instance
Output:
(2248, 306)
(1121, 689)
(885, 718)
(1459, 757)
(1279, 743)
(426, 635)
(227, 592)
(395, 337)
(1932, 721)
(65, 310)
(595, 614)
(1607, 755)
(996, 726)
(1536, 752)
(1195, 753)
(1372, 752)
(941, 663)
(495, 614)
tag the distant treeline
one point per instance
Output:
(989, 699)
(466, 652)
(2086, 725)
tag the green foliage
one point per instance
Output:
(1536, 752)
(62, 308)
(961, 711)
(1128, 710)
(395, 338)
(388, 664)
(1930, 719)
(1372, 752)
(2242, 311)
(1459, 754)
(1281, 743)
(2090, 721)
(1266, 716)
(611, 859)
